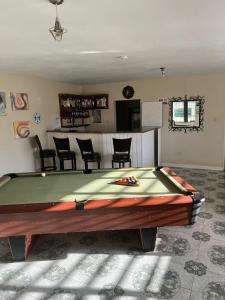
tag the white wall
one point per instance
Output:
(16, 155)
(200, 149)
(205, 148)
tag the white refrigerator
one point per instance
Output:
(151, 115)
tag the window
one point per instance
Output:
(186, 114)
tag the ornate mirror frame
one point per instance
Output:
(185, 126)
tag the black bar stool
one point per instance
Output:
(45, 153)
(87, 152)
(121, 152)
(64, 153)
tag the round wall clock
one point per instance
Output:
(128, 92)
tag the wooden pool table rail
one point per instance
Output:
(20, 222)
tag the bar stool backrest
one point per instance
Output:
(85, 146)
(38, 142)
(122, 145)
(62, 144)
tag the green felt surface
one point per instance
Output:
(79, 186)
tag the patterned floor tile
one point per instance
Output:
(164, 280)
(178, 246)
(211, 287)
(218, 194)
(212, 255)
(215, 227)
(111, 265)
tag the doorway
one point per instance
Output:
(128, 115)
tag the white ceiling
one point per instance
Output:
(184, 36)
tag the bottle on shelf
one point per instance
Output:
(104, 101)
(74, 107)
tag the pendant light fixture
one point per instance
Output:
(57, 31)
(163, 71)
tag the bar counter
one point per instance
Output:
(90, 129)
(145, 146)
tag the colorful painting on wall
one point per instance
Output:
(2, 104)
(19, 101)
(22, 129)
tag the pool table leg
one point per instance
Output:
(20, 246)
(148, 238)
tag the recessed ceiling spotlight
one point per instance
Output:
(122, 57)
(163, 71)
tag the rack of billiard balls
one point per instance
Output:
(129, 181)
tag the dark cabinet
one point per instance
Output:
(73, 107)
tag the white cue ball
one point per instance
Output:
(43, 174)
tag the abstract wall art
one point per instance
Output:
(22, 129)
(2, 104)
(19, 101)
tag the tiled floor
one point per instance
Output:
(188, 263)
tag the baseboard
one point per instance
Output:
(193, 166)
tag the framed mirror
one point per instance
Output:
(186, 114)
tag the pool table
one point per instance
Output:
(83, 201)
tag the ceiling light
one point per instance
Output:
(163, 71)
(122, 57)
(57, 31)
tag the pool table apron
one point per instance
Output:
(20, 227)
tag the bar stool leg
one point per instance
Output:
(86, 165)
(75, 163)
(61, 164)
(42, 164)
(72, 163)
(54, 164)
(99, 164)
